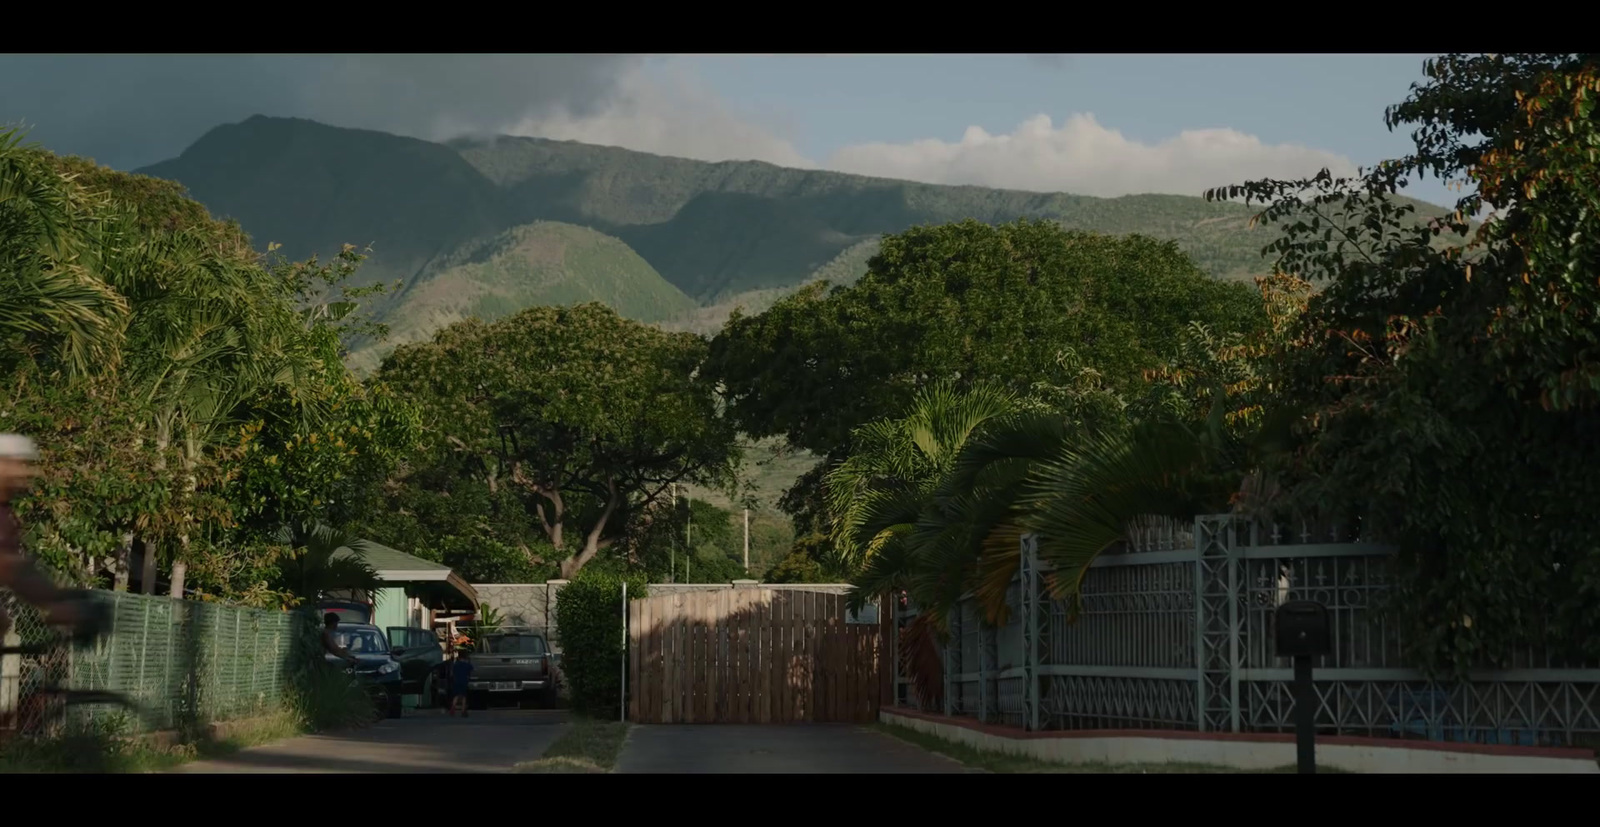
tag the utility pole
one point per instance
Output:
(747, 541)
(672, 559)
(688, 536)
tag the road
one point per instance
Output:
(495, 741)
(423, 741)
(795, 748)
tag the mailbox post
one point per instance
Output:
(1303, 633)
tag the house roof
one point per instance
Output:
(434, 579)
(394, 565)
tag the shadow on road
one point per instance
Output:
(791, 748)
(422, 742)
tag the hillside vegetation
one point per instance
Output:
(543, 263)
(719, 232)
(846, 269)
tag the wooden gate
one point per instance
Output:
(750, 655)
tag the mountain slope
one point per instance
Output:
(543, 263)
(844, 270)
(313, 188)
(731, 227)
(742, 232)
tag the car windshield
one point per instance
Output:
(361, 641)
(513, 645)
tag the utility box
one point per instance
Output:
(1303, 630)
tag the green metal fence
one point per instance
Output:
(1175, 632)
(181, 661)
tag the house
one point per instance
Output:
(415, 590)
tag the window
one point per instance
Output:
(362, 641)
(513, 645)
(412, 638)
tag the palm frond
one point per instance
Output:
(1082, 500)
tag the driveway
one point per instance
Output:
(793, 748)
(423, 741)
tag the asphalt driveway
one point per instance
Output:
(794, 748)
(423, 741)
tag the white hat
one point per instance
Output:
(17, 446)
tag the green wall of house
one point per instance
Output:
(391, 610)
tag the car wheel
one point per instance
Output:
(478, 700)
(393, 707)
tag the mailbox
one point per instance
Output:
(1303, 630)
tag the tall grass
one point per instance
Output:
(327, 699)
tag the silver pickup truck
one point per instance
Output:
(512, 666)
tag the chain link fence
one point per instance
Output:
(23, 710)
(182, 662)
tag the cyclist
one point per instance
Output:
(18, 573)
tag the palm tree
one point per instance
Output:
(313, 568)
(53, 234)
(896, 465)
(913, 506)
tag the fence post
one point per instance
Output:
(983, 667)
(892, 647)
(1030, 630)
(1217, 623)
(952, 657)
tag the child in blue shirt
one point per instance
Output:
(460, 674)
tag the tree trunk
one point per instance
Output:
(592, 542)
(553, 524)
(147, 573)
(121, 563)
(179, 567)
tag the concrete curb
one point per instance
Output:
(1248, 751)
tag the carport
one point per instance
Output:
(414, 589)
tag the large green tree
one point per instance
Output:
(164, 367)
(585, 416)
(1421, 364)
(1071, 320)
(964, 302)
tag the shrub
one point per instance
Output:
(322, 697)
(589, 617)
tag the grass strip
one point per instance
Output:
(588, 746)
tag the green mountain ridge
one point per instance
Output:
(542, 263)
(730, 234)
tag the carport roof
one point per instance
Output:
(395, 566)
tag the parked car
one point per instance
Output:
(422, 663)
(512, 665)
(376, 668)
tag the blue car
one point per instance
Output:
(376, 668)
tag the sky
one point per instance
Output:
(1103, 125)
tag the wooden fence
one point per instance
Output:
(751, 655)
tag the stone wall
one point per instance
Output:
(527, 605)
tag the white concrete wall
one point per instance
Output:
(1240, 754)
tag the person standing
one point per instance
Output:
(460, 677)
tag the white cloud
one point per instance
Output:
(668, 112)
(1085, 158)
(661, 109)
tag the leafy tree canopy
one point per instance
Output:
(168, 373)
(1420, 364)
(964, 302)
(587, 416)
